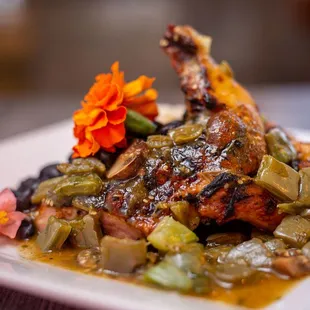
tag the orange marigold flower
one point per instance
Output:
(100, 121)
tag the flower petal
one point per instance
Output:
(15, 219)
(108, 136)
(145, 104)
(101, 121)
(86, 147)
(7, 201)
(118, 77)
(137, 86)
(117, 116)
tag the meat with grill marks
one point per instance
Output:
(213, 172)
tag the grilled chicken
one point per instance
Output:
(213, 172)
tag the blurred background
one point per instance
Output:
(50, 52)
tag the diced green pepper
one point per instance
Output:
(185, 133)
(294, 230)
(169, 234)
(158, 141)
(83, 166)
(252, 252)
(303, 201)
(190, 259)
(86, 233)
(294, 207)
(279, 178)
(168, 276)
(122, 255)
(87, 203)
(279, 145)
(44, 188)
(75, 185)
(275, 244)
(139, 124)
(304, 194)
(215, 253)
(180, 210)
(233, 273)
(54, 235)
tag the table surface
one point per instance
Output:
(277, 102)
(14, 300)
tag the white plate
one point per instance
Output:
(22, 156)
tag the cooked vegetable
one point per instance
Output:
(158, 141)
(191, 259)
(275, 244)
(75, 185)
(135, 194)
(87, 203)
(122, 255)
(89, 258)
(185, 133)
(306, 249)
(83, 166)
(44, 188)
(296, 207)
(279, 145)
(168, 276)
(304, 194)
(86, 233)
(217, 253)
(252, 252)
(169, 234)
(279, 178)
(293, 266)
(54, 235)
(139, 124)
(225, 238)
(184, 214)
(233, 273)
(305, 213)
(294, 230)
(128, 163)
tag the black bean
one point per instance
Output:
(70, 158)
(106, 157)
(26, 230)
(49, 172)
(28, 183)
(164, 129)
(23, 199)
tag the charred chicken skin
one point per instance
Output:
(211, 172)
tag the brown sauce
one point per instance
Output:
(266, 290)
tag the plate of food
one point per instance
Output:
(160, 206)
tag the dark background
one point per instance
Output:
(50, 52)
